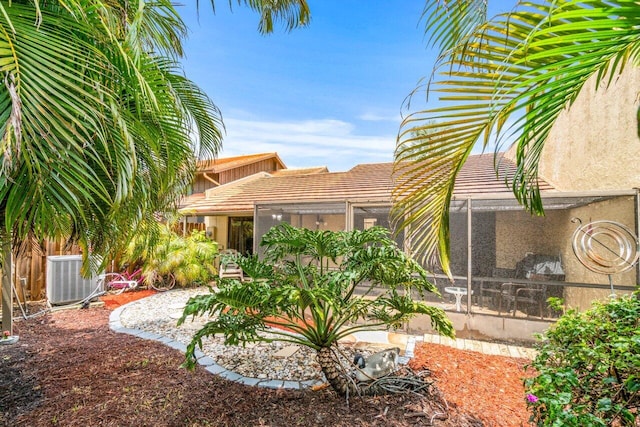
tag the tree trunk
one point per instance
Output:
(336, 377)
(7, 295)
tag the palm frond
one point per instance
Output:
(448, 22)
(293, 13)
(524, 67)
(96, 119)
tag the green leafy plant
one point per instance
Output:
(317, 287)
(587, 367)
(190, 259)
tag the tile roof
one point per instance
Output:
(191, 198)
(363, 183)
(300, 171)
(478, 176)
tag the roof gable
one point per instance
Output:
(225, 163)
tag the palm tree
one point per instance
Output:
(99, 127)
(190, 259)
(317, 287)
(520, 68)
(293, 13)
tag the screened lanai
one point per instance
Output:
(505, 261)
(340, 215)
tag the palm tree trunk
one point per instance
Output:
(7, 275)
(336, 377)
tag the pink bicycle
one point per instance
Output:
(118, 283)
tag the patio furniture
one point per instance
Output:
(458, 293)
(518, 294)
(229, 269)
(493, 290)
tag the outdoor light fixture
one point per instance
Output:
(276, 217)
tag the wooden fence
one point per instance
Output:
(30, 269)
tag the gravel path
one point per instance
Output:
(159, 313)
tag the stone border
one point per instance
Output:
(203, 360)
(211, 366)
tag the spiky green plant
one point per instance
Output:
(99, 127)
(316, 288)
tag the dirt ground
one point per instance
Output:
(69, 369)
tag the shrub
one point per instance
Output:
(317, 287)
(588, 367)
(190, 259)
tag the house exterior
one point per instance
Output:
(588, 175)
(500, 237)
(216, 172)
(220, 171)
(317, 199)
(595, 146)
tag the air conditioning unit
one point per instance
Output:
(65, 284)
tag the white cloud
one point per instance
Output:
(324, 142)
(371, 116)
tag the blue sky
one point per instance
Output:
(326, 95)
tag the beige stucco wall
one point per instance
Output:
(222, 229)
(594, 145)
(620, 210)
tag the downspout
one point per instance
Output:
(637, 219)
(256, 218)
(469, 254)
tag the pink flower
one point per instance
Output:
(532, 398)
(6, 334)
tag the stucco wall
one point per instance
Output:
(621, 210)
(594, 145)
(222, 229)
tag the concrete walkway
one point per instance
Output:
(482, 346)
(408, 343)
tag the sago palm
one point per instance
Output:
(509, 77)
(314, 288)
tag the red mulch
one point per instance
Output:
(490, 387)
(115, 301)
(69, 369)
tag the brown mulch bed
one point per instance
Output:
(69, 369)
